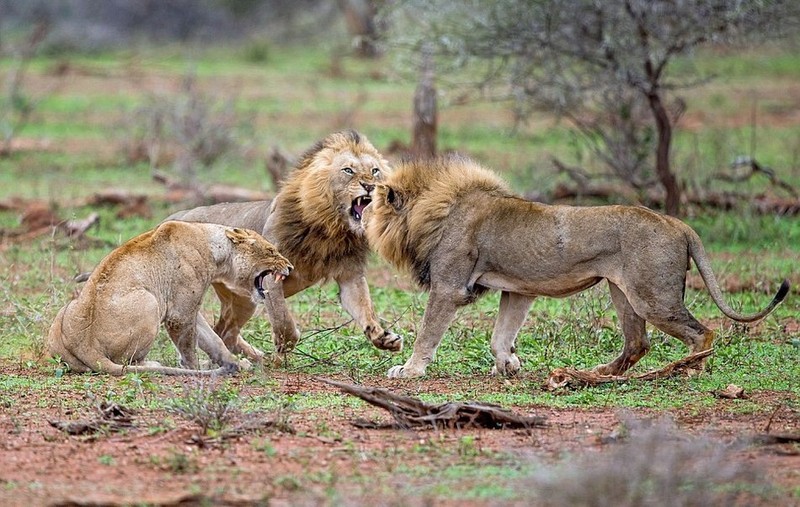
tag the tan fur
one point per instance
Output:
(161, 277)
(311, 222)
(459, 230)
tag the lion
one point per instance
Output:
(461, 232)
(315, 221)
(160, 277)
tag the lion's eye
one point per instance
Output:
(348, 170)
(375, 171)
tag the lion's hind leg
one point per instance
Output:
(513, 311)
(667, 311)
(633, 329)
(682, 325)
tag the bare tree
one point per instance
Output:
(16, 106)
(425, 113)
(359, 16)
(600, 64)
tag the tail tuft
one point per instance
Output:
(782, 292)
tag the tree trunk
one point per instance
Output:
(672, 201)
(425, 114)
(359, 17)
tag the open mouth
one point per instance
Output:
(357, 208)
(259, 281)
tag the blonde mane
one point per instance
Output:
(408, 216)
(311, 232)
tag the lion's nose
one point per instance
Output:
(368, 187)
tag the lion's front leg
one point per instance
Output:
(235, 311)
(355, 298)
(439, 313)
(285, 334)
(183, 333)
(513, 311)
(212, 344)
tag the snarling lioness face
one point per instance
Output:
(343, 175)
(255, 261)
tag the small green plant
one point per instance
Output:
(106, 459)
(288, 482)
(257, 51)
(206, 404)
(137, 384)
(265, 446)
(180, 463)
(59, 366)
(467, 446)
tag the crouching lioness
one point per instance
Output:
(161, 276)
(461, 232)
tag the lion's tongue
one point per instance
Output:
(358, 209)
(260, 284)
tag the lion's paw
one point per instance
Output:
(508, 367)
(390, 341)
(403, 371)
(245, 365)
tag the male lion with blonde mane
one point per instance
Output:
(161, 276)
(315, 221)
(460, 231)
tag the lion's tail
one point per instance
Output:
(698, 253)
(106, 365)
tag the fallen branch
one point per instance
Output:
(39, 219)
(77, 228)
(178, 192)
(754, 168)
(775, 438)
(111, 417)
(411, 412)
(761, 204)
(564, 377)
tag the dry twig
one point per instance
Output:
(111, 417)
(564, 377)
(411, 412)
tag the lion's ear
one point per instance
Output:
(236, 235)
(394, 198)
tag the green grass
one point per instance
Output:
(295, 100)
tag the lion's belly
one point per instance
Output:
(555, 287)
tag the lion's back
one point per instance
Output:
(245, 215)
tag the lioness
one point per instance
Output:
(161, 276)
(461, 232)
(315, 221)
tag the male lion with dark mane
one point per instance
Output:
(461, 232)
(160, 277)
(315, 221)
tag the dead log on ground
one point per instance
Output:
(212, 194)
(39, 219)
(77, 228)
(413, 413)
(111, 417)
(754, 168)
(775, 438)
(570, 377)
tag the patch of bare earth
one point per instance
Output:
(170, 463)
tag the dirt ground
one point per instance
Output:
(41, 465)
(325, 459)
